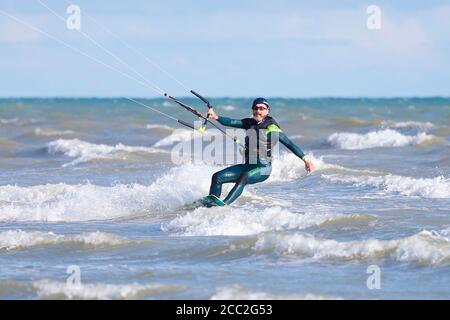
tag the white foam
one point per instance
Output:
(288, 167)
(9, 121)
(446, 232)
(184, 135)
(438, 187)
(18, 239)
(238, 292)
(160, 127)
(376, 139)
(84, 151)
(179, 135)
(167, 104)
(303, 116)
(82, 202)
(51, 132)
(425, 247)
(227, 107)
(239, 221)
(424, 126)
(54, 289)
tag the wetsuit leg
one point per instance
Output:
(253, 174)
(227, 175)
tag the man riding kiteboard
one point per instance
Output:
(262, 133)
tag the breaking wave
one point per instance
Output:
(45, 132)
(9, 121)
(377, 139)
(160, 127)
(49, 289)
(423, 126)
(18, 239)
(184, 135)
(288, 167)
(84, 151)
(179, 186)
(239, 221)
(83, 202)
(425, 247)
(438, 187)
(238, 292)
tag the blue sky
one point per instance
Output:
(231, 48)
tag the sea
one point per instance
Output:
(94, 204)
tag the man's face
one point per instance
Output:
(260, 111)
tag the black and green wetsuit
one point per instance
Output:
(259, 141)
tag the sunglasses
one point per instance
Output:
(260, 108)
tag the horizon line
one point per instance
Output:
(228, 97)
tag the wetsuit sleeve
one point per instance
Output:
(235, 123)
(283, 138)
(288, 143)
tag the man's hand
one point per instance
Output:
(309, 166)
(212, 114)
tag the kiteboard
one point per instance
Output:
(208, 202)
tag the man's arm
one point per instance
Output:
(288, 143)
(226, 121)
(294, 148)
(235, 123)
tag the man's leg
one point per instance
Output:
(227, 175)
(250, 176)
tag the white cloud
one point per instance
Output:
(404, 35)
(12, 31)
(318, 49)
(398, 32)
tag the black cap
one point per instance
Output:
(259, 101)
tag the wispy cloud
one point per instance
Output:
(321, 49)
(13, 32)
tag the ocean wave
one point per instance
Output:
(184, 135)
(46, 132)
(377, 139)
(18, 239)
(353, 122)
(168, 104)
(83, 202)
(160, 127)
(179, 135)
(446, 232)
(17, 121)
(425, 247)
(438, 187)
(10, 121)
(227, 107)
(241, 221)
(238, 292)
(423, 126)
(84, 151)
(288, 167)
(49, 289)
